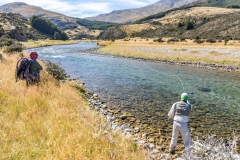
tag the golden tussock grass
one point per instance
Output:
(47, 42)
(53, 121)
(149, 49)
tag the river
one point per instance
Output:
(148, 89)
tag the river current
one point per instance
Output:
(147, 90)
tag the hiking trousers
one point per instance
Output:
(181, 127)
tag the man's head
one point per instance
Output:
(184, 97)
(33, 55)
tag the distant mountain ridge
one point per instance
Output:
(131, 15)
(27, 11)
(75, 31)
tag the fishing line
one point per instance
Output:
(183, 89)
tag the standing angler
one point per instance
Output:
(180, 114)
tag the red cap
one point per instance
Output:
(33, 55)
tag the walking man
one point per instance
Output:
(180, 114)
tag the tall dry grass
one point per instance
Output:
(149, 50)
(53, 121)
(47, 42)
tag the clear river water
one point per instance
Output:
(147, 90)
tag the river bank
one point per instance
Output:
(47, 42)
(209, 56)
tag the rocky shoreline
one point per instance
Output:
(125, 125)
(228, 68)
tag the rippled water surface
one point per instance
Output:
(147, 89)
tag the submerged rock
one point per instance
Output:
(204, 89)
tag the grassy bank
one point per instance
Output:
(53, 121)
(178, 51)
(42, 43)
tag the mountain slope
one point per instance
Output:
(130, 15)
(60, 20)
(27, 11)
(196, 22)
(17, 27)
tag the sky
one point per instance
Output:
(84, 8)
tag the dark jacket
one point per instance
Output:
(35, 67)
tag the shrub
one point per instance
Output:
(57, 36)
(211, 40)
(190, 25)
(226, 41)
(182, 39)
(158, 40)
(180, 24)
(7, 42)
(199, 41)
(55, 70)
(79, 88)
(1, 57)
(17, 47)
(173, 40)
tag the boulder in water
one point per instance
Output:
(204, 89)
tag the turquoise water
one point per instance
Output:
(148, 89)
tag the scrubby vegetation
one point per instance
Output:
(222, 3)
(56, 70)
(47, 27)
(95, 24)
(10, 45)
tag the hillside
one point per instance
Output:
(200, 22)
(73, 29)
(17, 27)
(131, 15)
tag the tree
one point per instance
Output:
(63, 36)
(57, 36)
(47, 27)
(190, 25)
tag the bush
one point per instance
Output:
(1, 57)
(158, 40)
(57, 36)
(211, 40)
(173, 40)
(180, 24)
(17, 47)
(55, 70)
(7, 42)
(190, 25)
(199, 41)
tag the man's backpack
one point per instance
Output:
(23, 72)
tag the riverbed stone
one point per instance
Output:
(165, 156)
(141, 142)
(123, 117)
(136, 129)
(125, 126)
(144, 135)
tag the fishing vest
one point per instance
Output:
(182, 108)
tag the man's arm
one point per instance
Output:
(190, 104)
(171, 112)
